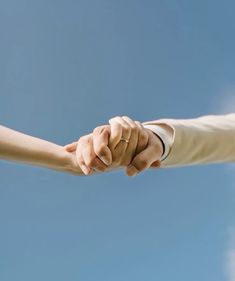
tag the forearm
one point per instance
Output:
(16, 146)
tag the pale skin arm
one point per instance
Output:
(19, 147)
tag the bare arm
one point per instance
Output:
(16, 146)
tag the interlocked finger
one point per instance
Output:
(90, 158)
(142, 138)
(131, 148)
(124, 135)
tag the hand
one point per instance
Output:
(149, 148)
(87, 148)
(143, 150)
(127, 138)
(104, 150)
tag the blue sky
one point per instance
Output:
(67, 67)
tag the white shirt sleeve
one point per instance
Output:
(163, 135)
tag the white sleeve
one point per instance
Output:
(203, 140)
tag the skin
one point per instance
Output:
(16, 146)
(103, 149)
(100, 151)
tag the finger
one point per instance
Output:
(129, 121)
(143, 138)
(116, 134)
(125, 126)
(86, 170)
(100, 144)
(71, 147)
(126, 132)
(131, 149)
(156, 164)
(119, 150)
(139, 124)
(142, 161)
(90, 158)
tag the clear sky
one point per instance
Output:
(67, 67)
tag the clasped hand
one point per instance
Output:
(124, 143)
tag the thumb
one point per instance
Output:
(71, 147)
(143, 161)
(100, 144)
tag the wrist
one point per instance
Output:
(68, 163)
(164, 133)
(158, 141)
(161, 145)
(61, 160)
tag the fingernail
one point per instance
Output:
(85, 169)
(132, 171)
(106, 162)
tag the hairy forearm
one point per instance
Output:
(16, 146)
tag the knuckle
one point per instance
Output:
(141, 164)
(116, 161)
(106, 133)
(126, 161)
(138, 123)
(96, 130)
(126, 117)
(91, 162)
(100, 129)
(85, 139)
(134, 129)
(126, 129)
(100, 150)
(114, 118)
(102, 168)
(117, 125)
(81, 139)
